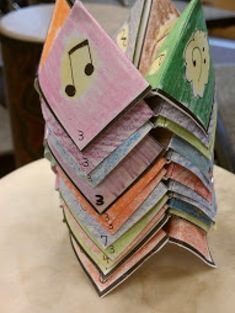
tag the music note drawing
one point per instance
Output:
(77, 66)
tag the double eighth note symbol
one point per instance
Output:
(70, 89)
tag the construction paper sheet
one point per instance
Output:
(115, 246)
(180, 117)
(185, 191)
(185, 177)
(184, 134)
(143, 206)
(190, 237)
(113, 160)
(158, 19)
(182, 71)
(80, 69)
(177, 144)
(133, 144)
(151, 222)
(190, 213)
(60, 13)
(209, 211)
(116, 183)
(126, 36)
(95, 230)
(105, 143)
(140, 189)
(116, 216)
(129, 245)
(104, 286)
(178, 159)
(196, 158)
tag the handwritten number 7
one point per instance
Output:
(105, 239)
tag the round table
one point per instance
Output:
(22, 34)
(39, 272)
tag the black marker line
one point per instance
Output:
(153, 231)
(189, 247)
(125, 275)
(132, 104)
(88, 200)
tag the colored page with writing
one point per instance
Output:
(86, 79)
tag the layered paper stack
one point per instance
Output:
(130, 128)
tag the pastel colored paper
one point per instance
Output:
(80, 68)
(126, 269)
(182, 71)
(114, 245)
(190, 237)
(175, 114)
(117, 182)
(133, 143)
(113, 160)
(151, 222)
(61, 12)
(185, 191)
(124, 207)
(210, 212)
(106, 142)
(184, 134)
(126, 36)
(100, 258)
(100, 235)
(185, 177)
(147, 198)
(190, 213)
(153, 175)
(190, 218)
(184, 194)
(180, 146)
(96, 255)
(175, 157)
(186, 150)
(158, 19)
(141, 35)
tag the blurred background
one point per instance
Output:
(23, 30)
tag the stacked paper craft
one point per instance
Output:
(130, 128)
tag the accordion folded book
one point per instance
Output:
(130, 122)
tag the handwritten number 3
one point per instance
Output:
(80, 135)
(85, 162)
(99, 200)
